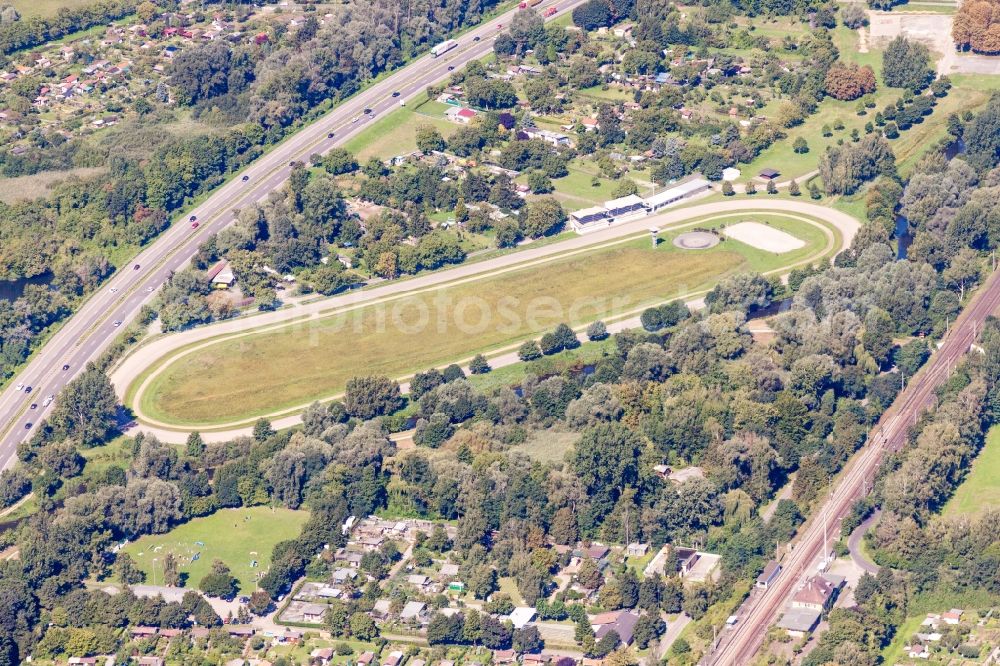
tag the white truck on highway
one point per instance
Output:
(443, 47)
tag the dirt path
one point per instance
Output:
(16, 505)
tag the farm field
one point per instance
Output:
(235, 536)
(210, 384)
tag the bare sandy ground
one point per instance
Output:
(934, 30)
(763, 237)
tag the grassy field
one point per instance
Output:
(576, 190)
(893, 652)
(46, 7)
(38, 185)
(968, 93)
(210, 385)
(548, 445)
(396, 132)
(235, 536)
(981, 488)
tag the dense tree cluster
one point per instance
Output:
(845, 168)
(847, 82)
(906, 64)
(974, 27)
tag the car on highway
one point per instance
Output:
(19, 388)
(48, 400)
(136, 267)
(65, 367)
(34, 405)
(476, 38)
(149, 288)
(113, 290)
(116, 323)
(246, 178)
(194, 225)
(27, 426)
(499, 26)
(395, 93)
(192, 218)
(355, 119)
(27, 389)
(367, 111)
(329, 135)
(451, 68)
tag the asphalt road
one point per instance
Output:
(91, 329)
(738, 645)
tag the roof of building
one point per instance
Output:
(412, 609)
(672, 193)
(308, 608)
(769, 173)
(799, 619)
(624, 202)
(769, 572)
(521, 616)
(817, 590)
(589, 212)
(624, 626)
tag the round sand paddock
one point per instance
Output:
(696, 240)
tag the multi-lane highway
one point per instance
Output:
(739, 644)
(91, 329)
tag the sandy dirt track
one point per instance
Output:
(134, 366)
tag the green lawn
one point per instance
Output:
(893, 652)
(981, 488)
(968, 93)
(396, 132)
(548, 445)
(235, 536)
(212, 385)
(576, 190)
(46, 8)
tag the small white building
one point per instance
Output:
(521, 616)
(672, 195)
